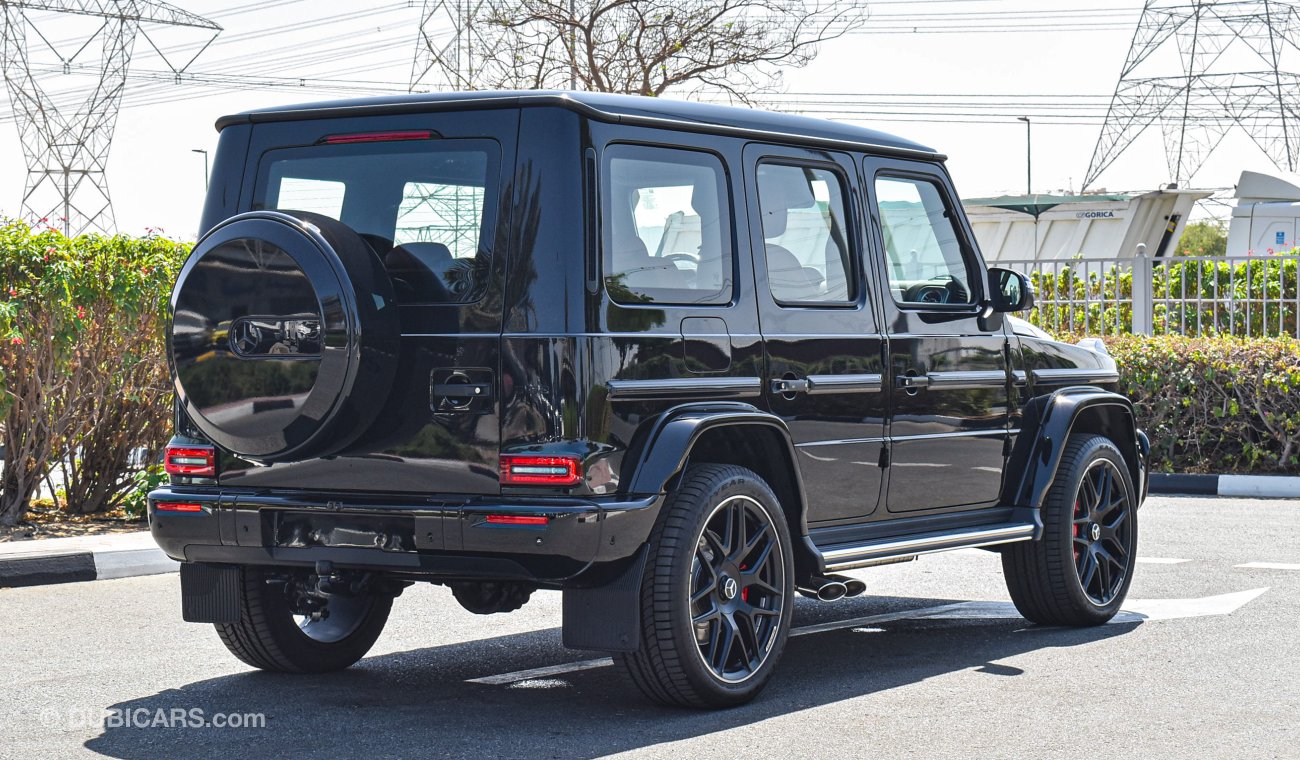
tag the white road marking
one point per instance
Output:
(1269, 566)
(1161, 561)
(1134, 611)
(550, 670)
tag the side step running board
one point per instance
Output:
(848, 556)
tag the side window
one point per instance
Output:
(923, 251)
(805, 227)
(667, 226)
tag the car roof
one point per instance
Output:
(628, 109)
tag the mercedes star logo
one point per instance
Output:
(729, 588)
(245, 337)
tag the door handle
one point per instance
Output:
(790, 385)
(462, 390)
(912, 383)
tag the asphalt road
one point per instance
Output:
(1215, 675)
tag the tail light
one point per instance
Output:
(191, 461)
(517, 520)
(528, 470)
(168, 506)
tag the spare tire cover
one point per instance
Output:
(284, 335)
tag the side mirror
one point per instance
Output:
(1010, 290)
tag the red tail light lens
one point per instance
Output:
(526, 470)
(167, 506)
(517, 520)
(191, 461)
(365, 137)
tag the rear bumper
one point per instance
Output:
(580, 540)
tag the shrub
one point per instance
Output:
(83, 377)
(1225, 405)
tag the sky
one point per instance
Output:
(976, 63)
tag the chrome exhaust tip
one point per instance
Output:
(854, 587)
(831, 591)
(826, 589)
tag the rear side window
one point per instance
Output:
(922, 248)
(667, 226)
(427, 207)
(805, 234)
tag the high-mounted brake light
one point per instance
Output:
(168, 506)
(190, 461)
(365, 137)
(517, 519)
(527, 470)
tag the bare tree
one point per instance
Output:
(641, 47)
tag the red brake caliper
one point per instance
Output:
(1075, 530)
(744, 592)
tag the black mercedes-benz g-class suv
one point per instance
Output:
(680, 361)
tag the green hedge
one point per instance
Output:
(1218, 405)
(83, 377)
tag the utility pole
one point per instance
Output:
(1029, 154)
(205, 165)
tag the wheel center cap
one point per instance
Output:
(729, 588)
(1095, 532)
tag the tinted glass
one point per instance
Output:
(923, 249)
(803, 217)
(667, 227)
(425, 207)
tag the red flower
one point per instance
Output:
(13, 291)
(17, 341)
(81, 312)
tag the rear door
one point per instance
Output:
(824, 348)
(948, 357)
(426, 191)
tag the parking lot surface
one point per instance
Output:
(933, 662)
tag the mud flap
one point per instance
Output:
(607, 618)
(210, 593)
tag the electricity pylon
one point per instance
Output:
(67, 152)
(444, 49)
(1200, 68)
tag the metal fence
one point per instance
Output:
(1250, 296)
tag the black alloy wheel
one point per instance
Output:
(736, 589)
(1102, 532)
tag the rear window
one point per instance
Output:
(427, 207)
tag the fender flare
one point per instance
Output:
(1048, 422)
(660, 452)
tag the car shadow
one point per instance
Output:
(419, 701)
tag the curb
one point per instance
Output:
(74, 560)
(1247, 486)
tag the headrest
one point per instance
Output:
(780, 189)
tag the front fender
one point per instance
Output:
(1050, 420)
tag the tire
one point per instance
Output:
(698, 568)
(1079, 573)
(269, 638)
